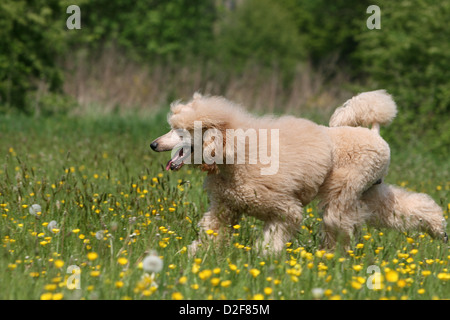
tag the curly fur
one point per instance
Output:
(342, 165)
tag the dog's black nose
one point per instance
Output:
(154, 145)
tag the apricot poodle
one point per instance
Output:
(272, 167)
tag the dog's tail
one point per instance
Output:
(372, 108)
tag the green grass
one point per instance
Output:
(108, 193)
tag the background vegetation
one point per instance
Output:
(79, 108)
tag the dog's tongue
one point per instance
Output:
(169, 164)
(175, 158)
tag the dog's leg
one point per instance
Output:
(280, 229)
(219, 220)
(343, 213)
(396, 208)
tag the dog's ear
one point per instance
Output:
(214, 144)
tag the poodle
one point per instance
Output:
(342, 165)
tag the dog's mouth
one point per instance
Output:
(178, 158)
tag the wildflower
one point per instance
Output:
(421, 291)
(95, 273)
(152, 263)
(254, 272)
(401, 283)
(59, 263)
(391, 276)
(356, 285)
(225, 283)
(182, 280)
(268, 291)
(57, 296)
(35, 210)
(92, 256)
(46, 296)
(119, 284)
(52, 225)
(205, 274)
(99, 234)
(317, 293)
(177, 296)
(329, 256)
(258, 296)
(360, 245)
(357, 267)
(443, 276)
(215, 281)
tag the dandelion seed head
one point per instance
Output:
(152, 263)
(52, 225)
(34, 209)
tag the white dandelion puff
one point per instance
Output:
(152, 264)
(317, 293)
(99, 234)
(52, 225)
(35, 209)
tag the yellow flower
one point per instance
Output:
(392, 276)
(443, 276)
(258, 296)
(329, 256)
(59, 263)
(236, 226)
(46, 296)
(360, 245)
(119, 284)
(225, 283)
(92, 256)
(205, 274)
(177, 296)
(232, 267)
(254, 272)
(57, 296)
(182, 280)
(50, 287)
(267, 290)
(215, 281)
(122, 261)
(356, 285)
(357, 267)
(401, 283)
(95, 273)
(421, 291)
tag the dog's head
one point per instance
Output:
(199, 124)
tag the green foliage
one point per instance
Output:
(410, 57)
(150, 29)
(31, 36)
(99, 176)
(328, 28)
(260, 31)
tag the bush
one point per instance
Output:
(31, 37)
(410, 57)
(151, 29)
(262, 32)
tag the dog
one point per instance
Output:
(343, 165)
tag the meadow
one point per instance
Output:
(106, 204)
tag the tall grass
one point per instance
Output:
(114, 205)
(108, 82)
